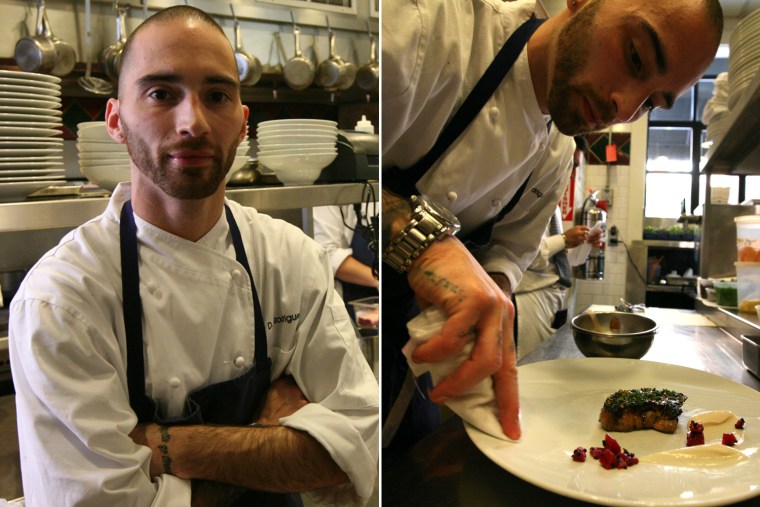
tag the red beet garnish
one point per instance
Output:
(739, 424)
(729, 439)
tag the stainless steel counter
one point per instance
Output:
(446, 469)
(50, 214)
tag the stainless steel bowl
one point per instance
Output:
(632, 339)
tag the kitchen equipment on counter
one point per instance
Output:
(299, 70)
(249, 67)
(717, 243)
(593, 215)
(10, 281)
(358, 158)
(111, 55)
(89, 82)
(36, 53)
(625, 335)
(726, 293)
(65, 56)
(748, 286)
(31, 142)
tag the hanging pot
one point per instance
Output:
(249, 67)
(36, 53)
(111, 56)
(65, 56)
(298, 71)
(368, 74)
(331, 72)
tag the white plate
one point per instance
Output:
(32, 124)
(17, 74)
(560, 404)
(26, 132)
(101, 148)
(40, 104)
(46, 177)
(29, 91)
(31, 172)
(29, 82)
(30, 142)
(28, 152)
(30, 111)
(307, 121)
(31, 158)
(19, 190)
(17, 117)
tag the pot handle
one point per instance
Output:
(40, 27)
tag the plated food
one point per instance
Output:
(636, 409)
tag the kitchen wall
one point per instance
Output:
(626, 213)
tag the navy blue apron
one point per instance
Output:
(360, 251)
(233, 402)
(397, 298)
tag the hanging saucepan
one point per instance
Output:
(298, 71)
(368, 74)
(111, 56)
(65, 56)
(331, 72)
(348, 76)
(36, 53)
(249, 67)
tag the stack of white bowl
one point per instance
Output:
(298, 149)
(106, 163)
(744, 58)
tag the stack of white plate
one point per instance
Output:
(717, 127)
(31, 140)
(106, 163)
(744, 58)
(297, 150)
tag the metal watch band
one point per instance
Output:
(418, 234)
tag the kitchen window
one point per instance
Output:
(676, 152)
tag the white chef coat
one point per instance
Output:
(68, 350)
(454, 42)
(334, 230)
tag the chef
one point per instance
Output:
(179, 348)
(479, 98)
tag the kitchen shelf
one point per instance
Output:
(738, 151)
(52, 214)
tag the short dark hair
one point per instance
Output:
(581, 143)
(165, 15)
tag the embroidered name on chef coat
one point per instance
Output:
(283, 319)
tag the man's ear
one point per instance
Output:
(574, 5)
(113, 123)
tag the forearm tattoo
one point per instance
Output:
(163, 447)
(439, 281)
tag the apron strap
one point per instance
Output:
(132, 304)
(403, 182)
(261, 358)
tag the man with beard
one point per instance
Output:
(181, 349)
(485, 147)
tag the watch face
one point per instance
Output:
(437, 210)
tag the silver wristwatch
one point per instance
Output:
(430, 221)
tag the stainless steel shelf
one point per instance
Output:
(53, 214)
(738, 152)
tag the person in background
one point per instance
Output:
(494, 168)
(346, 233)
(541, 298)
(181, 349)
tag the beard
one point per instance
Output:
(190, 183)
(571, 60)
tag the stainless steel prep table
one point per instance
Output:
(446, 469)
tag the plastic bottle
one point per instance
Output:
(364, 125)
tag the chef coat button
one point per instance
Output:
(157, 293)
(493, 113)
(236, 274)
(239, 361)
(495, 203)
(452, 196)
(152, 287)
(174, 382)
